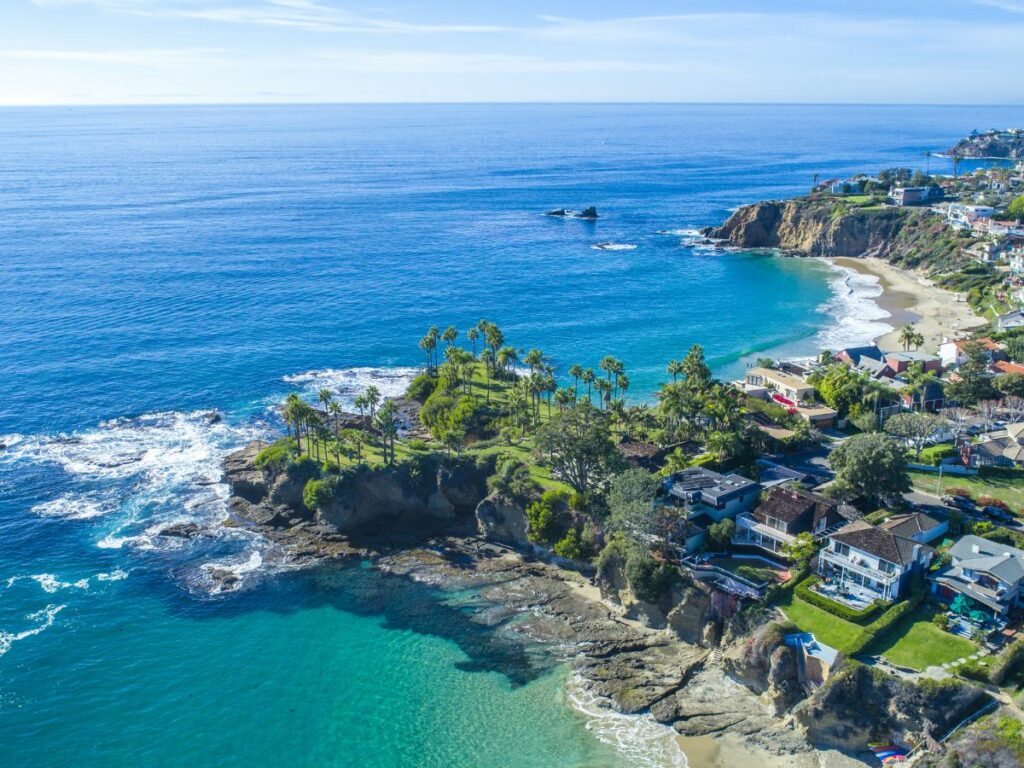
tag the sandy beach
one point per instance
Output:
(909, 297)
(732, 752)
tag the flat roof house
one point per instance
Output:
(706, 497)
(784, 513)
(987, 573)
(791, 392)
(901, 361)
(901, 196)
(862, 563)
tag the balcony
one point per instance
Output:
(858, 566)
(753, 533)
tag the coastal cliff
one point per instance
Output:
(828, 227)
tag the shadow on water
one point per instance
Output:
(401, 603)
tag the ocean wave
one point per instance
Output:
(51, 583)
(680, 232)
(72, 507)
(857, 317)
(613, 247)
(45, 617)
(638, 738)
(118, 574)
(348, 383)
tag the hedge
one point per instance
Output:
(1007, 662)
(805, 593)
(1010, 473)
(890, 617)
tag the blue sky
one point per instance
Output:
(201, 51)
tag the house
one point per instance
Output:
(770, 474)
(870, 563)
(900, 362)
(1010, 320)
(702, 497)
(640, 454)
(852, 355)
(849, 187)
(1001, 366)
(917, 526)
(999, 449)
(791, 392)
(875, 369)
(988, 251)
(929, 397)
(785, 513)
(901, 196)
(988, 574)
(951, 351)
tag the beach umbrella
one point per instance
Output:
(979, 616)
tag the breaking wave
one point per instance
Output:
(638, 738)
(857, 317)
(348, 383)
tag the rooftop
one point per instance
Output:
(909, 525)
(878, 542)
(978, 554)
(707, 483)
(780, 377)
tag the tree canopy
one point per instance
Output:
(870, 466)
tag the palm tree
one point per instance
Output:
(576, 371)
(674, 369)
(917, 341)
(386, 421)
(426, 344)
(325, 397)
(608, 365)
(722, 444)
(507, 356)
(293, 416)
(623, 382)
(361, 404)
(906, 336)
(433, 334)
(564, 397)
(604, 389)
(473, 334)
(534, 358)
(450, 335)
(373, 398)
(357, 437)
(487, 356)
(335, 409)
(588, 377)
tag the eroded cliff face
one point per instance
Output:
(812, 230)
(829, 227)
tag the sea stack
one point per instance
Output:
(557, 212)
(588, 213)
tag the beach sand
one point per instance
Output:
(732, 752)
(909, 297)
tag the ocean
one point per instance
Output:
(160, 264)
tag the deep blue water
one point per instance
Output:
(160, 262)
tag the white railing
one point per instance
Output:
(752, 524)
(865, 570)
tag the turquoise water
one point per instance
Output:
(159, 263)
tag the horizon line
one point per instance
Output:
(311, 103)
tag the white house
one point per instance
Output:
(871, 563)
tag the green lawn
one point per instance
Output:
(827, 628)
(917, 643)
(752, 570)
(1008, 489)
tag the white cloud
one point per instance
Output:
(295, 14)
(1002, 5)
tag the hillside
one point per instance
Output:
(999, 144)
(826, 227)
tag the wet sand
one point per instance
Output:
(909, 297)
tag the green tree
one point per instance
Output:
(373, 398)
(1010, 384)
(695, 370)
(579, 448)
(719, 535)
(872, 467)
(473, 335)
(571, 546)
(801, 550)
(386, 422)
(915, 429)
(549, 517)
(1015, 210)
(972, 383)
(576, 372)
(631, 505)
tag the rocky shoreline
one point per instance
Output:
(633, 656)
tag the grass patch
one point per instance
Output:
(829, 629)
(917, 643)
(1008, 489)
(751, 570)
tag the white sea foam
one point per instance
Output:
(348, 383)
(857, 317)
(118, 574)
(51, 583)
(613, 247)
(692, 233)
(45, 618)
(638, 738)
(72, 507)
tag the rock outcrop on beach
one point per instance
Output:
(824, 227)
(587, 213)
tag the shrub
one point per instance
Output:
(961, 492)
(417, 445)
(318, 493)
(1006, 664)
(649, 579)
(548, 517)
(276, 456)
(990, 501)
(571, 546)
(863, 616)
(421, 388)
(973, 669)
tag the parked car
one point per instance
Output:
(962, 502)
(997, 514)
